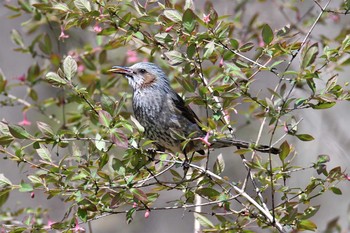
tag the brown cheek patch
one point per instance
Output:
(148, 80)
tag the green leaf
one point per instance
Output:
(69, 67)
(139, 35)
(100, 143)
(246, 47)
(44, 153)
(210, 193)
(188, 20)
(189, 4)
(3, 82)
(104, 118)
(234, 44)
(310, 211)
(55, 80)
(4, 195)
(305, 137)
(324, 105)
(61, 7)
(83, 5)
(45, 129)
(209, 49)
(310, 82)
(203, 221)
(243, 151)
(139, 127)
(175, 57)
(26, 6)
(323, 159)
(307, 225)
(309, 55)
(129, 215)
(17, 38)
(118, 166)
(19, 132)
(219, 165)
(285, 150)
(147, 19)
(35, 179)
(346, 43)
(24, 187)
(33, 72)
(138, 194)
(6, 140)
(267, 34)
(173, 15)
(336, 190)
(119, 138)
(4, 182)
(82, 214)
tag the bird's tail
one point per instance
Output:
(227, 142)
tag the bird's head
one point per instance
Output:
(143, 75)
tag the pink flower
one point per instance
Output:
(63, 35)
(285, 127)
(147, 213)
(97, 28)
(21, 78)
(335, 18)
(131, 56)
(49, 224)
(134, 205)
(347, 177)
(221, 63)
(227, 116)
(78, 228)
(81, 68)
(25, 121)
(168, 29)
(206, 18)
(205, 140)
(32, 195)
(261, 42)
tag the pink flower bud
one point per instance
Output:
(21, 78)
(221, 63)
(168, 29)
(147, 213)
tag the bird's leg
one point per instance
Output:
(185, 165)
(153, 151)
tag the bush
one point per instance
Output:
(90, 152)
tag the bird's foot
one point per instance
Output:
(151, 153)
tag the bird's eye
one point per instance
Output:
(142, 71)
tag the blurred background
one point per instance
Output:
(329, 127)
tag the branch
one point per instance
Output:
(241, 192)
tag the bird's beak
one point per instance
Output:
(121, 70)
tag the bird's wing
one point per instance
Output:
(184, 110)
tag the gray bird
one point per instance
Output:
(166, 118)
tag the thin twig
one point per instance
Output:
(285, 100)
